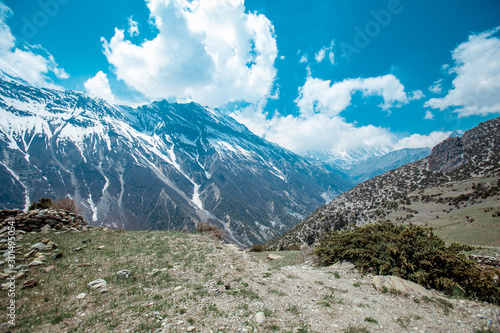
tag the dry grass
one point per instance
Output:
(181, 280)
(454, 224)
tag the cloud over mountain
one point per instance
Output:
(212, 52)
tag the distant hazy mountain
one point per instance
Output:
(475, 156)
(157, 166)
(348, 159)
(378, 165)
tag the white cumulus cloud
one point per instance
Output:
(319, 126)
(436, 87)
(98, 86)
(210, 51)
(476, 86)
(318, 132)
(429, 115)
(421, 141)
(320, 96)
(416, 94)
(32, 64)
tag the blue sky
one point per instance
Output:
(320, 75)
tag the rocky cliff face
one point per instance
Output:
(475, 155)
(158, 166)
(447, 156)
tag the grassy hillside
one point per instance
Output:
(457, 211)
(190, 282)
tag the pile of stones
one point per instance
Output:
(42, 220)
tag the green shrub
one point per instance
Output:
(43, 203)
(294, 247)
(257, 248)
(212, 230)
(413, 253)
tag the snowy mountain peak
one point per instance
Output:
(157, 166)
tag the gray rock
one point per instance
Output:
(29, 284)
(56, 256)
(344, 265)
(38, 246)
(124, 274)
(260, 318)
(8, 254)
(45, 229)
(274, 257)
(398, 285)
(35, 263)
(99, 283)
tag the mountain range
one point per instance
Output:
(458, 179)
(158, 166)
(358, 165)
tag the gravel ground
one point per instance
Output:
(303, 298)
(192, 283)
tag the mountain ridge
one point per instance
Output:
(158, 166)
(475, 155)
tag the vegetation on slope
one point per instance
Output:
(47, 203)
(413, 253)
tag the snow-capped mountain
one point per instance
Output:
(379, 165)
(157, 166)
(348, 159)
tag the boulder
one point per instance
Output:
(399, 285)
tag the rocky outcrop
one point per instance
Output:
(484, 260)
(400, 286)
(475, 155)
(447, 156)
(42, 220)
